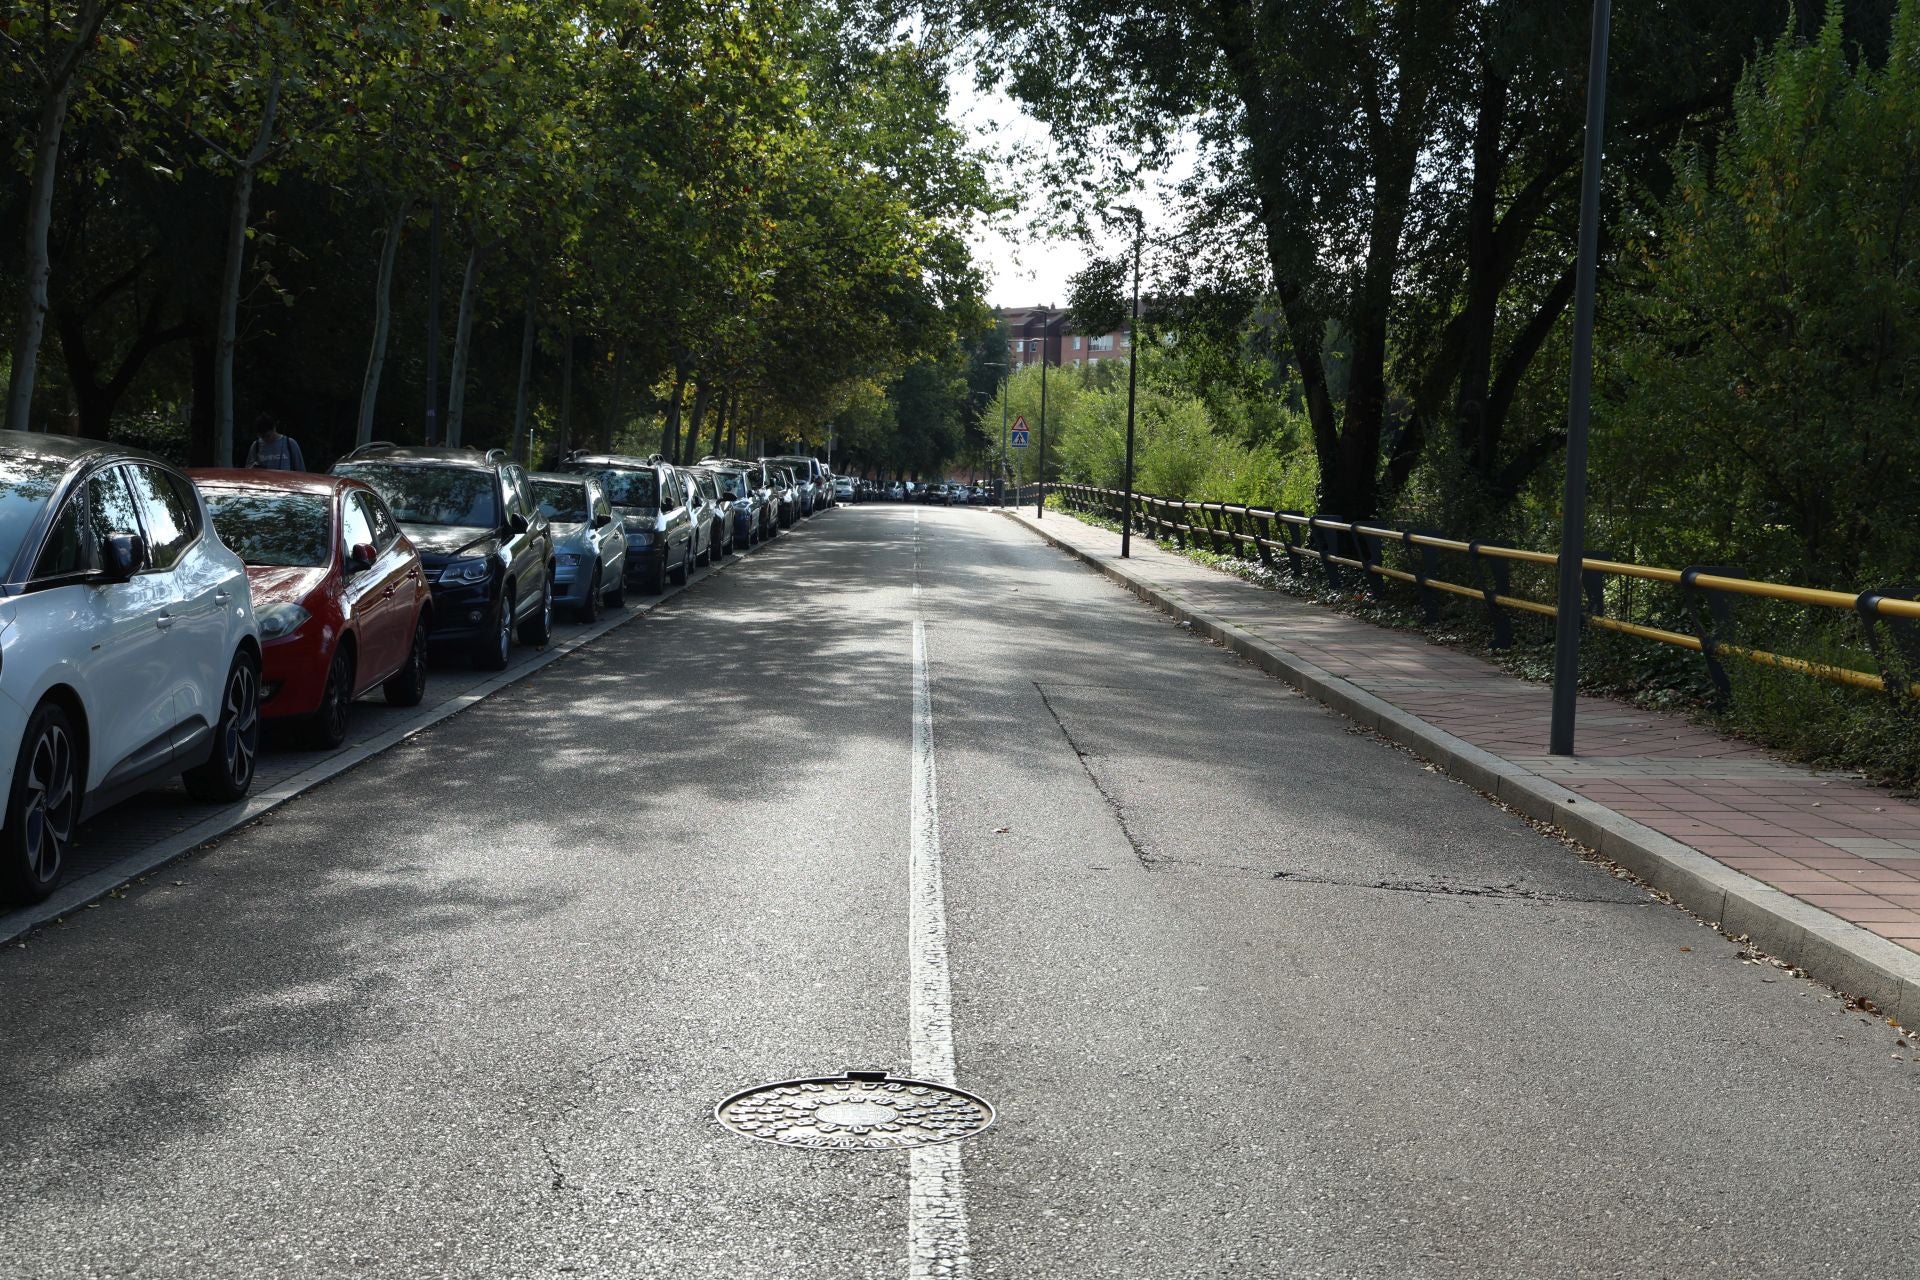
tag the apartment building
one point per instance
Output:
(1033, 329)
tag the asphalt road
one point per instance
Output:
(1255, 994)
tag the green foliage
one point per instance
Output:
(1767, 371)
(762, 199)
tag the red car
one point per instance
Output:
(342, 601)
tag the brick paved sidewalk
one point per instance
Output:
(1828, 839)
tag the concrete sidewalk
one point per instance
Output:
(1822, 870)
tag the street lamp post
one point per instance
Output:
(1573, 507)
(1133, 370)
(1040, 504)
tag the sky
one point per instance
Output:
(1025, 263)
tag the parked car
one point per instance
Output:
(807, 472)
(765, 498)
(937, 494)
(650, 502)
(704, 494)
(746, 505)
(128, 640)
(338, 590)
(483, 542)
(785, 494)
(723, 499)
(701, 518)
(897, 491)
(843, 489)
(589, 547)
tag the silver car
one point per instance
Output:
(590, 548)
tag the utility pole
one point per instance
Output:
(1133, 370)
(1040, 505)
(1573, 506)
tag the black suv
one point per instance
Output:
(482, 540)
(649, 498)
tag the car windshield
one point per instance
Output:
(635, 490)
(561, 502)
(462, 496)
(274, 528)
(25, 486)
(732, 483)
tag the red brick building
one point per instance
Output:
(1028, 330)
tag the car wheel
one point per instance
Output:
(42, 808)
(495, 646)
(590, 607)
(228, 775)
(538, 628)
(679, 572)
(328, 727)
(408, 686)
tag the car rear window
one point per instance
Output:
(263, 527)
(561, 502)
(460, 496)
(633, 490)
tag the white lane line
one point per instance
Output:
(937, 1244)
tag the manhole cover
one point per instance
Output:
(860, 1111)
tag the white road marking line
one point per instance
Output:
(937, 1244)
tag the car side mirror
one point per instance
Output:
(602, 521)
(122, 555)
(518, 523)
(360, 558)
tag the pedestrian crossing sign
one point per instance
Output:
(1018, 437)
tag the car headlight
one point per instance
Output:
(277, 620)
(465, 571)
(743, 504)
(639, 537)
(568, 560)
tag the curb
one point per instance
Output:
(78, 894)
(1828, 948)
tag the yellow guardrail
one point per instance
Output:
(1236, 526)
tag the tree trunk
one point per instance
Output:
(733, 423)
(46, 162)
(702, 394)
(94, 398)
(238, 207)
(204, 352)
(565, 440)
(462, 337)
(670, 432)
(611, 423)
(382, 324)
(433, 327)
(526, 371)
(719, 421)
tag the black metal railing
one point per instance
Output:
(1336, 548)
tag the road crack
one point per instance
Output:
(1510, 891)
(1147, 860)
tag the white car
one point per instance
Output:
(128, 647)
(589, 546)
(843, 488)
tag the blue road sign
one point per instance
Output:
(1017, 438)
